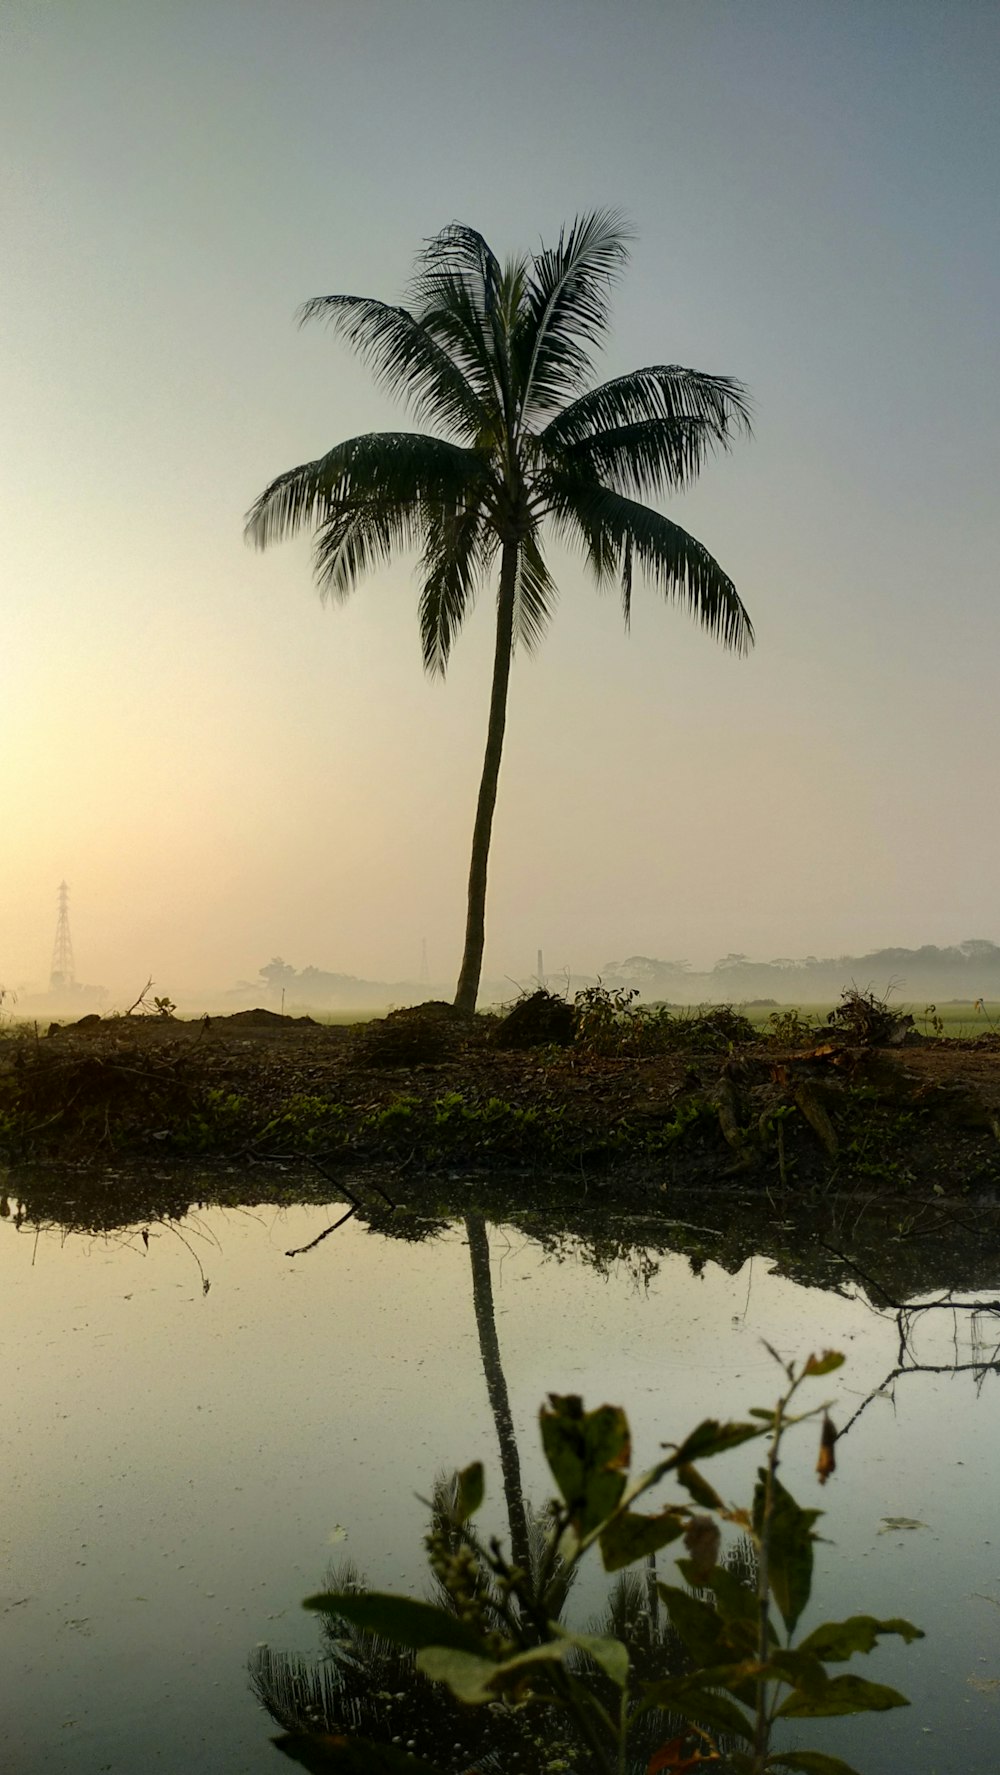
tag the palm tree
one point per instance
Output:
(500, 358)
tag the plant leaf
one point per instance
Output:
(671, 1693)
(703, 1539)
(475, 1679)
(697, 1624)
(836, 1641)
(801, 1670)
(824, 1364)
(672, 1757)
(704, 1707)
(842, 1694)
(588, 1454)
(736, 1605)
(791, 1548)
(699, 1488)
(399, 1619)
(471, 1489)
(609, 1654)
(629, 1536)
(710, 1438)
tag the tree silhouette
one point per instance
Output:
(500, 357)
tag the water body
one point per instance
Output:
(197, 1424)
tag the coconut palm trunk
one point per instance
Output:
(475, 924)
(500, 357)
(496, 1387)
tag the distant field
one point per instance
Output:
(956, 1020)
(336, 1019)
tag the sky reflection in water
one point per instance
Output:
(182, 1466)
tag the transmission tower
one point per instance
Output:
(63, 970)
(424, 969)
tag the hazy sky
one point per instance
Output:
(222, 768)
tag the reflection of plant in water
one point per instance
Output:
(369, 1688)
(635, 1616)
(499, 1647)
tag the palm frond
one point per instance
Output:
(561, 1575)
(455, 324)
(651, 457)
(660, 391)
(466, 301)
(619, 534)
(535, 596)
(357, 539)
(458, 550)
(565, 310)
(380, 468)
(404, 358)
(458, 251)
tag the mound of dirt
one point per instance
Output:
(436, 1009)
(415, 1035)
(541, 1020)
(78, 1093)
(261, 1019)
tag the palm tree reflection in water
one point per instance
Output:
(366, 1688)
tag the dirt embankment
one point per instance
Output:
(423, 1092)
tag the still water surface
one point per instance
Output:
(183, 1463)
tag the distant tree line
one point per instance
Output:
(968, 970)
(317, 987)
(961, 971)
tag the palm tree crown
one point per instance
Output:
(500, 358)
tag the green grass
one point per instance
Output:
(962, 1020)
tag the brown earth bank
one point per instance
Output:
(637, 1109)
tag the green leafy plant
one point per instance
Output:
(979, 1007)
(493, 1640)
(789, 1029)
(607, 1019)
(306, 1123)
(610, 1023)
(220, 1120)
(864, 1017)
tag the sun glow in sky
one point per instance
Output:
(222, 768)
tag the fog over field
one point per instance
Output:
(225, 772)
